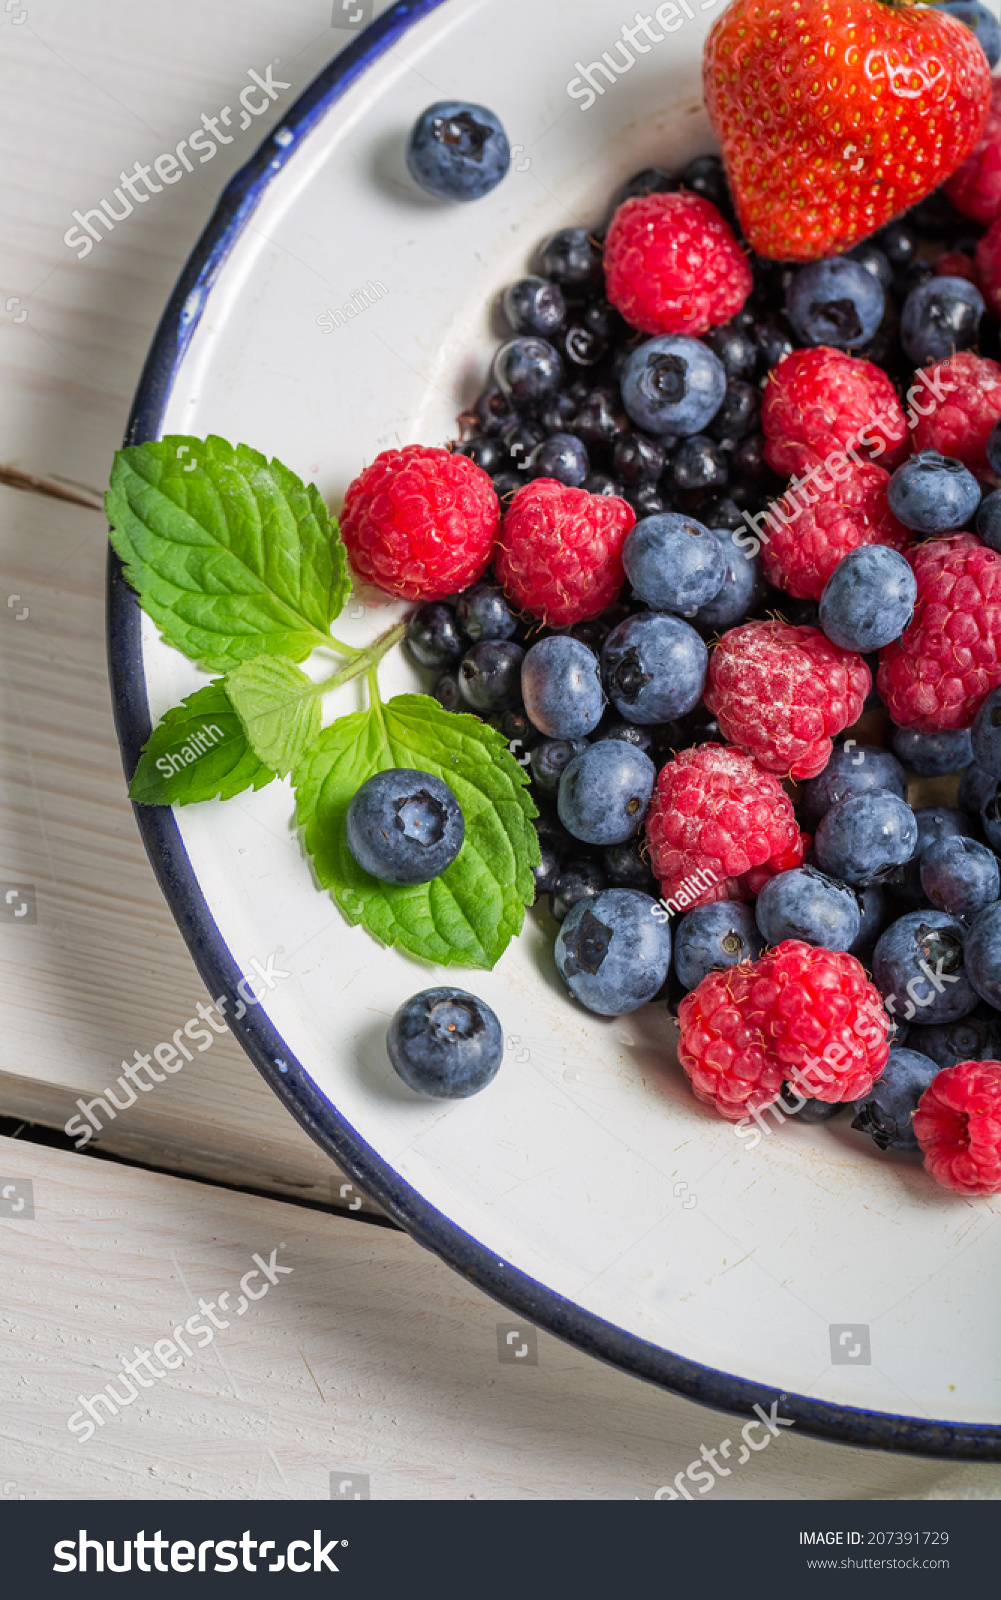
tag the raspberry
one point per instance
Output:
(420, 523)
(956, 264)
(975, 186)
(813, 528)
(715, 812)
(948, 659)
(801, 1014)
(958, 1126)
(672, 265)
(817, 401)
(560, 553)
(782, 692)
(959, 424)
(987, 268)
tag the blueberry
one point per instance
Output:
(601, 483)
(931, 755)
(673, 562)
(873, 906)
(528, 370)
(654, 667)
(975, 789)
(572, 257)
(743, 586)
(457, 151)
(699, 463)
(988, 523)
(869, 599)
(940, 317)
(588, 338)
(918, 965)
(483, 613)
(804, 904)
(982, 21)
(983, 954)
(990, 817)
(940, 822)
(562, 456)
(561, 687)
(870, 256)
(738, 415)
(748, 464)
(404, 826)
(516, 728)
(973, 1038)
(810, 1112)
(638, 459)
(548, 760)
(985, 736)
(772, 339)
(559, 414)
(492, 411)
(897, 243)
(486, 452)
(605, 792)
(994, 447)
(446, 692)
(534, 305)
(853, 769)
(506, 486)
(445, 1043)
(645, 500)
(518, 439)
(713, 937)
(579, 880)
(960, 876)
(433, 636)
(626, 867)
(932, 493)
(554, 845)
(705, 176)
(734, 347)
(652, 180)
(862, 839)
(835, 302)
(630, 733)
(600, 417)
(673, 384)
(613, 953)
(490, 675)
(886, 1113)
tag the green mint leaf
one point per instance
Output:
(468, 915)
(232, 556)
(198, 752)
(279, 709)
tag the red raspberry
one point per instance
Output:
(716, 813)
(800, 1014)
(672, 265)
(971, 404)
(948, 659)
(783, 692)
(987, 268)
(420, 523)
(722, 1048)
(958, 1126)
(560, 554)
(975, 186)
(819, 401)
(812, 528)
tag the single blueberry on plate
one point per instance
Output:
(404, 826)
(869, 599)
(863, 839)
(973, 1038)
(983, 954)
(985, 736)
(743, 586)
(654, 666)
(886, 1113)
(549, 758)
(562, 456)
(673, 384)
(961, 876)
(835, 302)
(713, 937)
(613, 953)
(445, 1043)
(932, 493)
(853, 769)
(490, 675)
(919, 968)
(932, 755)
(433, 635)
(457, 151)
(528, 370)
(483, 613)
(981, 21)
(561, 687)
(605, 792)
(804, 904)
(534, 305)
(579, 880)
(940, 317)
(673, 562)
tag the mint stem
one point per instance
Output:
(363, 661)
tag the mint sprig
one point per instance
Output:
(198, 752)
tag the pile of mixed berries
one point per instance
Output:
(711, 514)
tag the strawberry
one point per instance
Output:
(835, 115)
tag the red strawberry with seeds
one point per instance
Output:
(835, 116)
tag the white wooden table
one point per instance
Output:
(369, 1359)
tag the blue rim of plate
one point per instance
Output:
(263, 1044)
